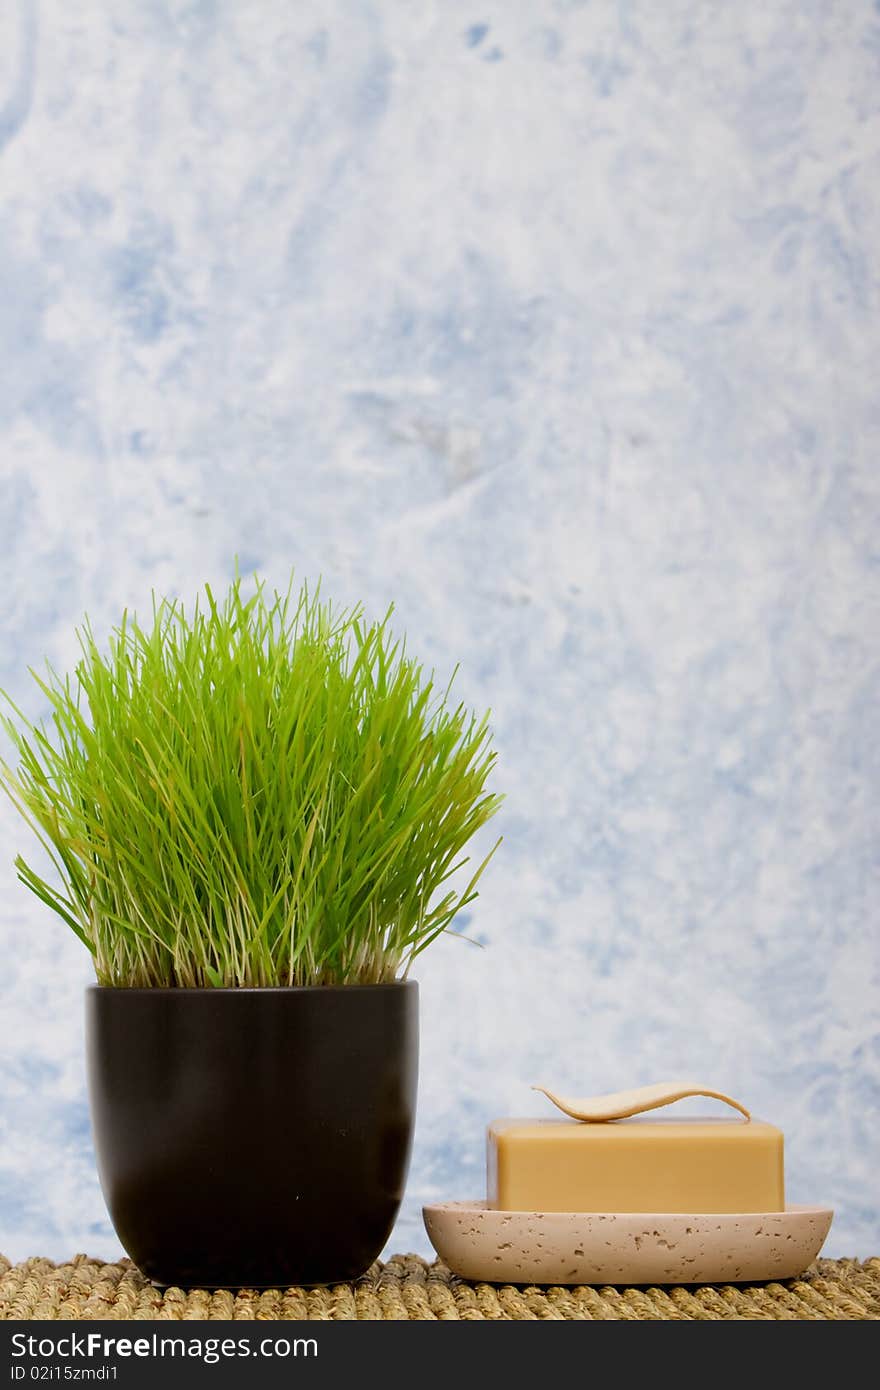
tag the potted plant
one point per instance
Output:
(254, 810)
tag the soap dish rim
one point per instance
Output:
(762, 1264)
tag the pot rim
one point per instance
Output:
(211, 990)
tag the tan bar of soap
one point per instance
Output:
(644, 1164)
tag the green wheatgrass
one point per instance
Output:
(266, 792)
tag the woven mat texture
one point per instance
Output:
(409, 1288)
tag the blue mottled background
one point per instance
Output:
(557, 323)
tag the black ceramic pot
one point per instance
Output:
(253, 1136)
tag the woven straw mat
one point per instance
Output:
(408, 1288)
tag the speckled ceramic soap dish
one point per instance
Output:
(490, 1241)
(479, 1242)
